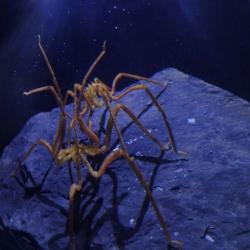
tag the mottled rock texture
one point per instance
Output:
(211, 187)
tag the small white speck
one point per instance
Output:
(123, 9)
(191, 120)
(116, 27)
(209, 238)
(131, 141)
(159, 188)
(176, 234)
(138, 153)
(115, 7)
(115, 149)
(132, 221)
(179, 170)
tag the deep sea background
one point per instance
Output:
(207, 39)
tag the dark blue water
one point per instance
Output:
(208, 39)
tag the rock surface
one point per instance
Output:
(211, 187)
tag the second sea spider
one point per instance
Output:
(86, 99)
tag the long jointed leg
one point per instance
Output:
(131, 76)
(56, 84)
(121, 153)
(158, 106)
(47, 88)
(124, 153)
(92, 67)
(74, 189)
(110, 124)
(41, 142)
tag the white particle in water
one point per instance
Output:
(138, 153)
(209, 238)
(176, 234)
(132, 221)
(191, 120)
(117, 147)
(159, 188)
(131, 141)
(179, 170)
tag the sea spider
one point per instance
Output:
(86, 98)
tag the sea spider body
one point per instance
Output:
(94, 93)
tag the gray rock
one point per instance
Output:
(208, 188)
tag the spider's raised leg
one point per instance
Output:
(55, 82)
(158, 106)
(93, 65)
(44, 89)
(131, 76)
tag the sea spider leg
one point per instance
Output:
(131, 76)
(47, 88)
(56, 84)
(82, 126)
(115, 111)
(41, 142)
(158, 106)
(52, 149)
(74, 189)
(56, 144)
(138, 173)
(114, 155)
(93, 65)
